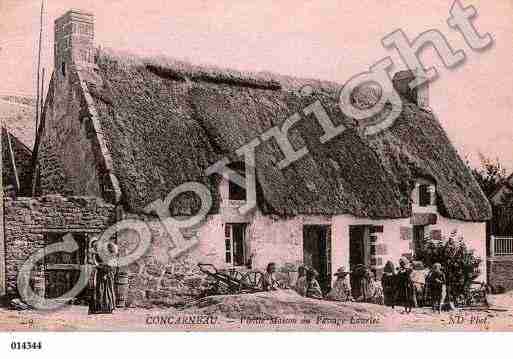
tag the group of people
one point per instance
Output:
(306, 283)
(396, 287)
(400, 289)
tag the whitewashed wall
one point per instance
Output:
(277, 239)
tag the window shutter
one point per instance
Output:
(228, 243)
(406, 233)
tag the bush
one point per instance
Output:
(460, 265)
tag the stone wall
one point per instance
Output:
(500, 272)
(161, 276)
(29, 220)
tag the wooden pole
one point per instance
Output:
(39, 63)
(12, 158)
(2, 237)
(42, 98)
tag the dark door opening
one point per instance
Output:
(62, 270)
(359, 252)
(359, 248)
(317, 252)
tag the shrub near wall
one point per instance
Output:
(460, 265)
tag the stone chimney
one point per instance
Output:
(74, 40)
(418, 95)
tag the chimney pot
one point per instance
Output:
(418, 95)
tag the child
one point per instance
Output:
(269, 281)
(313, 289)
(341, 290)
(301, 281)
(437, 286)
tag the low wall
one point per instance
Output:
(500, 272)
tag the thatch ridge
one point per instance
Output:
(165, 130)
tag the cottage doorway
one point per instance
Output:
(62, 269)
(317, 252)
(359, 246)
(359, 252)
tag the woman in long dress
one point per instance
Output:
(103, 297)
(388, 282)
(405, 286)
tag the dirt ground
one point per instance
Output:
(284, 310)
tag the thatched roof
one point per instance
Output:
(165, 122)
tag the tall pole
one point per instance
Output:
(39, 63)
(42, 95)
(2, 244)
(2, 237)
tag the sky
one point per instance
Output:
(325, 39)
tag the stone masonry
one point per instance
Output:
(500, 271)
(28, 220)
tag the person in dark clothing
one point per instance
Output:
(366, 285)
(405, 286)
(103, 297)
(388, 283)
(437, 287)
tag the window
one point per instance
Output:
(63, 69)
(236, 192)
(234, 240)
(424, 195)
